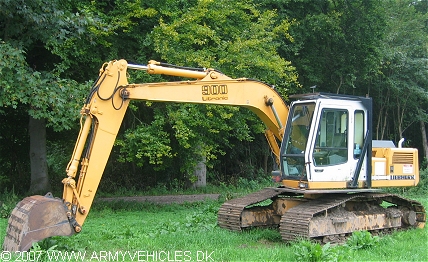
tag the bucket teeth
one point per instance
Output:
(33, 219)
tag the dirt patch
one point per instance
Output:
(169, 199)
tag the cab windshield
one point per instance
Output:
(296, 138)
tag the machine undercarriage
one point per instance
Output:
(328, 217)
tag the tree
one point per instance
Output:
(236, 38)
(404, 80)
(336, 43)
(31, 82)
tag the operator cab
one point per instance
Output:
(324, 141)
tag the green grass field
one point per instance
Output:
(188, 232)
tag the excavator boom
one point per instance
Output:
(39, 217)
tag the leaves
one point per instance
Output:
(306, 250)
(336, 43)
(146, 142)
(362, 240)
(404, 71)
(46, 95)
(30, 81)
(235, 37)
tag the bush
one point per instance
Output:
(308, 251)
(8, 203)
(362, 240)
(41, 250)
(422, 187)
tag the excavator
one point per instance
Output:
(330, 171)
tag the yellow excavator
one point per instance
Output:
(330, 169)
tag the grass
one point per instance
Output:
(189, 232)
(243, 186)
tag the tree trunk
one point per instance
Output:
(424, 139)
(200, 172)
(39, 167)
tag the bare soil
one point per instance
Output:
(168, 199)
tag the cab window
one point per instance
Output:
(331, 142)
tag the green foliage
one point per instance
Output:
(8, 201)
(252, 184)
(44, 93)
(362, 240)
(202, 220)
(422, 187)
(42, 248)
(236, 37)
(336, 42)
(424, 164)
(404, 71)
(13, 71)
(145, 141)
(308, 251)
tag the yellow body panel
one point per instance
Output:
(395, 167)
(317, 185)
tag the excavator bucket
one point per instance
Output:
(36, 218)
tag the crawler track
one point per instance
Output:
(295, 223)
(330, 216)
(229, 214)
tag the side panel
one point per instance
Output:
(394, 167)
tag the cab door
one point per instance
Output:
(329, 155)
(337, 143)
